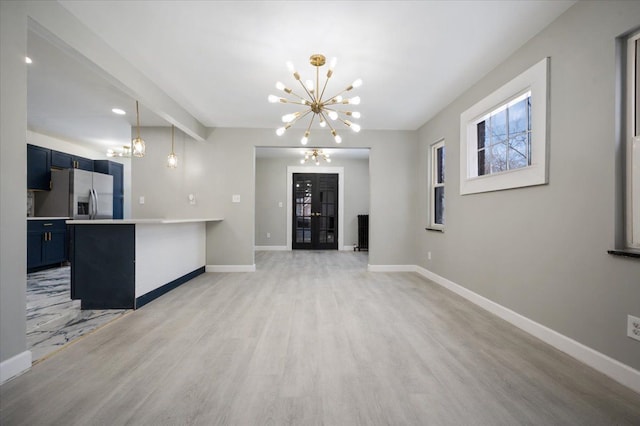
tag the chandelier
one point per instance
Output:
(172, 159)
(314, 103)
(137, 144)
(125, 151)
(315, 155)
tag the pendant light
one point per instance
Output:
(137, 144)
(172, 159)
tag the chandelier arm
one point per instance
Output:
(327, 121)
(306, 103)
(324, 88)
(311, 122)
(299, 117)
(313, 99)
(298, 96)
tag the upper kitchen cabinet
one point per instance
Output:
(38, 168)
(117, 171)
(62, 160)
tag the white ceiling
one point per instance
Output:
(220, 59)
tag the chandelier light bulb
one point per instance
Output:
(354, 114)
(328, 159)
(291, 67)
(273, 99)
(309, 84)
(333, 115)
(280, 85)
(355, 127)
(280, 131)
(303, 160)
(288, 118)
(323, 123)
(355, 100)
(338, 98)
(333, 63)
(357, 83)
(305, 138)
(172, 161)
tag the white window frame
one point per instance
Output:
(433, 184)
(534, 79)
(633, 150)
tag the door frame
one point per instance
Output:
(314, 169)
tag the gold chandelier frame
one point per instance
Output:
(314, 103)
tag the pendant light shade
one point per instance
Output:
(172, 159)
(137, 144)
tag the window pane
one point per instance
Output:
(518, 117)
(481, 162)
(481, 134)
(440, 165)
(499, 126)
(518, 152)
(496, 158)
(438, 213)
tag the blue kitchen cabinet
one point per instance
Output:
(62, 160)
(117, 171)
(46, 243)
(38, 168)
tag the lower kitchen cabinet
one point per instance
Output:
(46, 243)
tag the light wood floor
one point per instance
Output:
(313, 338)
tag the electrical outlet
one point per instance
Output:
(428, 255)
(633, 327)
(268, 234)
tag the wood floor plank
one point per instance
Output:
(312, 338)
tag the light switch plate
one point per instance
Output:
(141, 200)
(235, 198)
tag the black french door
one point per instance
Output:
(315, 211)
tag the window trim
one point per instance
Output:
(632, 132)
(534, 79)
(433, 183)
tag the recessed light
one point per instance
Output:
(118, 111)
(28, 60)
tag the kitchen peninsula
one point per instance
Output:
(126, 263)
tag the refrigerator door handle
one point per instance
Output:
(92, 204)
(95, 204)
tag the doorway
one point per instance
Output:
(315, 211)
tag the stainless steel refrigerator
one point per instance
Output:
(78, 194)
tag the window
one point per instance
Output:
(436, 186)
(503, 138)
(633, 143)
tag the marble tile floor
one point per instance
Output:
(53, 319)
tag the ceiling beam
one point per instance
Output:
(58, 25)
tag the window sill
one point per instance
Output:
(435, 229)
(625, 253)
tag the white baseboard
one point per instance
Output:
(391, 268)
(271, 248)
(618, 371)
(230, 268)
(15, 366)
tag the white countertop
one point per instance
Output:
(47, 218)
(139, 221)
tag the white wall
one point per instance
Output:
(271, 188)
(166, 191)
(542, 251)
(13, 184)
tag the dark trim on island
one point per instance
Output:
(154, 294)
